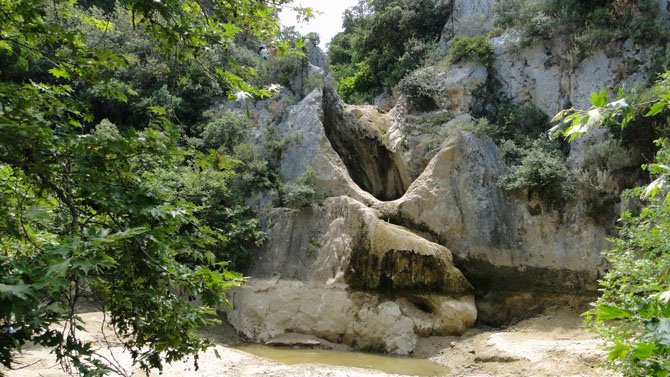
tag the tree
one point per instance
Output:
(382, 41)
(633, 313)
(80, 213)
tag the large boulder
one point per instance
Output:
(340, 272)
(268, 308)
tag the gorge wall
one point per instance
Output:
(416, 238)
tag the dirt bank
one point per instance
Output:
(549, 345)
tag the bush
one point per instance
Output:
(541, 171)
(481, 127)
(358, 88)
(527, 16)
(220, 207)
(224, 132)
(391, 37)
(589, 24)
(477, 49)
(302, 193)
(508, 120)
(633, 313)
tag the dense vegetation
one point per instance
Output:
(115, 184)
(633, 313)
(382, 41)
(587, 25)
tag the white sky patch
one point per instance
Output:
(326, 24)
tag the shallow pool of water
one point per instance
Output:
(383, 363)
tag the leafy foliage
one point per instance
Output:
(382, 41)
(477, 49)
(633, 313)
(588, 24)
(98, 198)
(540, 170)
(301, 193)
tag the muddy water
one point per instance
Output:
(383, 363)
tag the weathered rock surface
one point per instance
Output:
(308, 146)
(358, 133)
(316, 56)
(416, 135)
(503, 244)
(268, 308)
(542, 74)
(339, 272)
(416, 226)
(469, 18)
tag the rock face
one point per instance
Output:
(538, 74)
(339, 272)
(416, 237)
(469, 18)
(316, 56)
(504, 245)
(415, 134)
(267, 308)
(358, 134)
(308, 146)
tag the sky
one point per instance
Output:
(326, 24)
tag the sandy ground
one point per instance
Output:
(549, 345)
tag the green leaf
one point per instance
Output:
(159, 110)
(619, 351)
(59, 72)
(643, 351)
(5, 46)
(656, 109)
(21, 291)
(599, 99)
(607, 312)
(59, 269)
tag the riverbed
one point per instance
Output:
(552, 344)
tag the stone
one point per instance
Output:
(339, 272)
(266, 309)
(358, 134)
(296, 340)
(545, 75)
(529, 75)
(316, 56)
(308, 146)
(469, 18)
(664, 10)
(416, 135)
(385, 102)
(450, 87)
(497, 241)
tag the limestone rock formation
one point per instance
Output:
(541, 74)
(316, 56)
(416, 133)
(505, 245)
(339, 272)
(416, 237)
